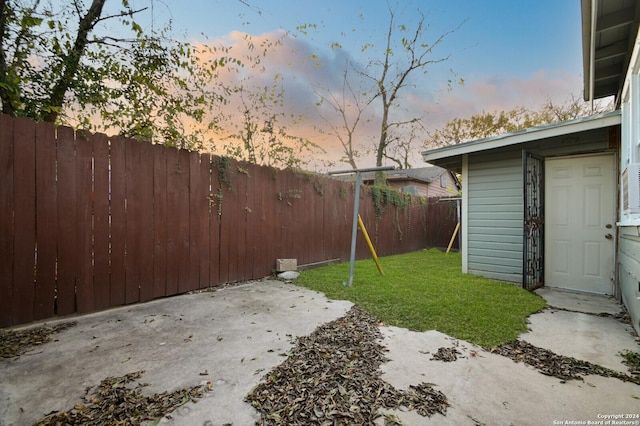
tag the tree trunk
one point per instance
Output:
(72, 61)
(5, 96)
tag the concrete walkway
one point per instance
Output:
(233, 336)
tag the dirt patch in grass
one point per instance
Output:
(332, 376)
(14, 343)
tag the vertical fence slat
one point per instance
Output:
(203, 220)
(101, 252)
(118, 221)
(277, 201)
(195, 231)
(174, 171)
(183, 220)
(251, 265)
(134, 222)
(84, 224)
(242, 218)
(67, 229)
(159, 221)
(145, 232)
(46, 220)
(7, 235)
(224, 206)
(214, 223)
(25, 215)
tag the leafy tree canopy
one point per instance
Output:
(487, 124)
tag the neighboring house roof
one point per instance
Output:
(424, 175)
(608, 40)
(451, 156)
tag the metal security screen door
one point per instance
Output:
(533, 238)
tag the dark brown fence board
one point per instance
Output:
(196, 212)
(290, 209)
(25, 215)
(134, 223)
(262, 223)
(84, 222)
(203, 220)
(277, 199)
(67, 224)
(7, 236)
(174, 239)
(159, 220)
(214, 224)
(182, 176)
(101, 196)
(194, 224)
(229, 228)
(261, 226)
(240, 236)
(146, 217)
(252, 222)
(46, 221)
(225, 213)
(118, 221)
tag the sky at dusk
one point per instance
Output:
(509, 53)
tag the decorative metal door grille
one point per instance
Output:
(533, 250)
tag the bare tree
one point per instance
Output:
(349, 106)
(390, 75)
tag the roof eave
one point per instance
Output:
(535, 133)
(587, 46)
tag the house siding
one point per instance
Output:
(495, 211)
(629, 271)
(496, 201)
(431, 189)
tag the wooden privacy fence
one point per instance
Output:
(90, 222)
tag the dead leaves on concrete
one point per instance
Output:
(446, 355)
(332, 377)
(115, 403)
(14, 343)
(551, 364)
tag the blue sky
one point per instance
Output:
(509, 52)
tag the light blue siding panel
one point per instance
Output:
(500, 253)
(629, 267)
(489, 224)
(496, 201)
(503, 246)
(513, 277)
(487, 208)
(480, 240)
(495, 212)
(498, 215)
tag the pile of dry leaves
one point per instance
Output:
(14, 343)
(332, 377)
(114, 403)
(551, 364)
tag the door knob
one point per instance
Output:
(608, 226)
(608, 236)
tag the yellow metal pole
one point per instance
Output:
(371, 249)
(453, 237)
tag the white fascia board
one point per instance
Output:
(528, 135)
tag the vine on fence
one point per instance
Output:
(385, 195)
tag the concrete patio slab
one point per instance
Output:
(233, 336)
(588, 303)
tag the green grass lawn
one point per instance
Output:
(426, 290)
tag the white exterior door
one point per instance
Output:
(580, 207)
